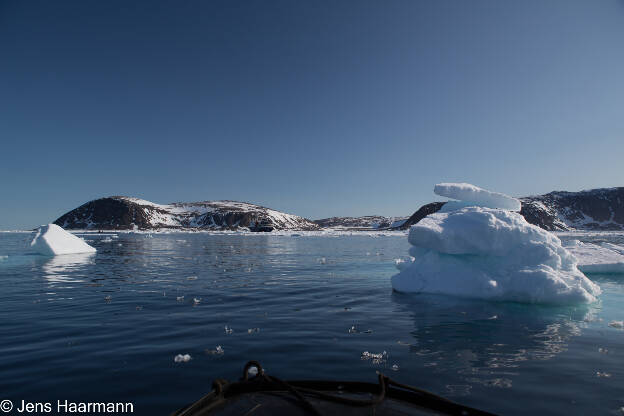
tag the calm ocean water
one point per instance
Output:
(107, 327)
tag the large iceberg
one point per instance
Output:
(490, 253)
(52, 240)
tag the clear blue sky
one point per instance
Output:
(317, 108)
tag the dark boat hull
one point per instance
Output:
(265, 395)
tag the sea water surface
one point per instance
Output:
(107, 327)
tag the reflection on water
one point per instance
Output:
(486, 342)
(68, 268)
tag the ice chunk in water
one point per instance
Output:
(217, 351)
(182, 358)
(375, 358)
(594, 258)
(52, 240)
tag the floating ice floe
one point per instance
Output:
(597, 258)
(182, 358)
(52, 240)
(617, 324)
(490, 252)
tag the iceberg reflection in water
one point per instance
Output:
(67, 268)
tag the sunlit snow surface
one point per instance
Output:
(107, 327)
(482, 248)
(603, 257)
(491, 254)
(471, 195)
(52, 240)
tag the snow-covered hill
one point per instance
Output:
(595, 209)
(367, 222)
(120, 212)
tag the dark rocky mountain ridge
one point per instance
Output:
(596, 209)
(124, 213)
(365, 222)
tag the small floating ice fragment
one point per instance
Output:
(228, 330)
(353, 330)
(375, 358)
(602, 374)
(182, 358)
(108, 298)
(180, 298)
(191, 278)
(253, 330)
(196, 301)
(217, 351)
(395, 367)
(322, 260)
(617, 324)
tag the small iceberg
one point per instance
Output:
(490, 252)
(52, 240)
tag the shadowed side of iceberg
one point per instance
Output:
(52, 240)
